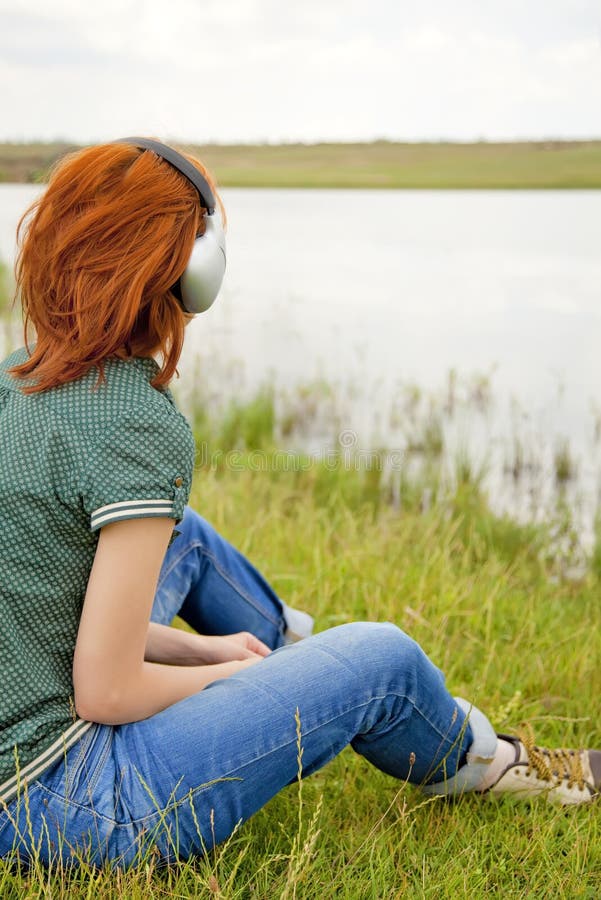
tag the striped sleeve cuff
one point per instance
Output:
(130, 509)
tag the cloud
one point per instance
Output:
(324, 69)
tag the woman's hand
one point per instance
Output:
(230, 647)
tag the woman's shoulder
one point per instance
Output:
(123, 393)
(15, 358)
(126, 388)
(127, 400)
(120, 376)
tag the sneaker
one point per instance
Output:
(562, 776)
(299, 624)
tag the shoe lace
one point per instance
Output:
(552, 766)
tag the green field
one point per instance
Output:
(382, 164)
(484, 597)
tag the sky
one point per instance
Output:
(304, 70)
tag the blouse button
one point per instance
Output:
(178, 481)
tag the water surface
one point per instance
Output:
(376, 289)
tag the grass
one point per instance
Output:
(381, 164)
(483, 595)
(476, 591)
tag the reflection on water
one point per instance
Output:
(373, 291)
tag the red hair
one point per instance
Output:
(99, 252)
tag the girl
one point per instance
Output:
(120, 733)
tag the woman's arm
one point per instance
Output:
(165, 644)
(113, 683)
(181, 648)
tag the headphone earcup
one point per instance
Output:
(200, 284)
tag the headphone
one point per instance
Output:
(199, 285)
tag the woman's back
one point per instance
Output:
(71, 459)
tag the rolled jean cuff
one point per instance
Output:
(479, 756)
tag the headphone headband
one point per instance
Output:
(180, 163)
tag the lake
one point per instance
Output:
(377, 290)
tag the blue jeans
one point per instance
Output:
(180, 781)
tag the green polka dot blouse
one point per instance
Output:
(72, 459)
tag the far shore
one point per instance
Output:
(523, 165)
